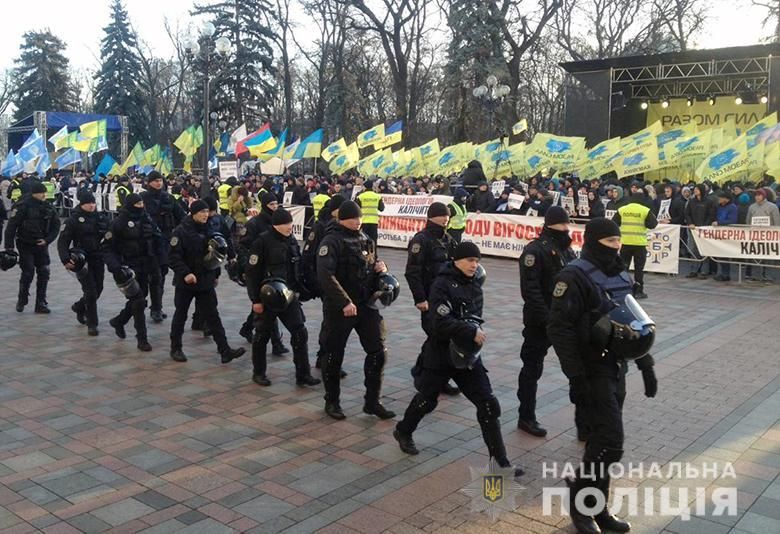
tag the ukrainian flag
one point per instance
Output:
(261, 143)
(371, 136)
(311, 147)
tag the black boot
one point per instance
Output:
(307, 380)
(231, 354)
(24, 295)
(405, 442)
(206, 331)
(531, 427)
(41, 307)
(261, 380)
(157, 316)
(584, 524)
(491, 433)
(118, 327)
(333, 409)
(604, 519)
(178, 356)
(79, 311)
(92, 330)
(40, 293)
(376, 408)
(144, 346)
(279, 350)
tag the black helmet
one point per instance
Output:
(78, 258)
(217, 252)
(126, 282)
(275, 295)
(386, 290)
(627, 330)
(481, 275)
(465, 356)
(8, 258)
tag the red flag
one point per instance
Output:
(241, 147)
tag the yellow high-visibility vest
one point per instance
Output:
(457, 221)
(224, 195)
(369, 205)
(121, 192)
(632, 224)
(16, 193)
(318, 202)
(51, 189)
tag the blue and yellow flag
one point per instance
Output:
(393, 135)
(428, 150)
(732, 160)
(561, 153)
(643, 138)
(334, 149)
(371, 136)
(311, 146)
(638, 160)
(94, 129)
(519, 127)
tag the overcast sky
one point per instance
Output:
(80, 24)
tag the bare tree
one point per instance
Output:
(279, 20)
(773, 14)
(682, 19)
(6, 91)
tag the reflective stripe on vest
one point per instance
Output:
(224, 194)
(318, 202)
(632, 224)
(120, 197)
(17, 191)
(457, 221)
(50, 190)
(369, 205)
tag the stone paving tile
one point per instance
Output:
(104, 437)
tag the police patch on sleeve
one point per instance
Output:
(242, 231)
(174, 241)
(415, 248)
(560, 289)
(253, 259)
(443, 309)
(530, 260)
(323, 250)
(311, 236)
(108, 235)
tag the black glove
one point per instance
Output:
(579, 391)
(651, 382)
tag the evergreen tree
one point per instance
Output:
(118, 91)
(242, 84)
(41, 75)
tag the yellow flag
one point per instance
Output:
(729, 161)
(558, 152)
(639, 160)
(519, 127)
(371, 136)
(428, 150)
(81, 144)
(334, 149)
(697, 145)
(763, 124)
(643, 138)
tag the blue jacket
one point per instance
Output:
(727, 214)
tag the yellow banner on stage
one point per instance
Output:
(704, 116)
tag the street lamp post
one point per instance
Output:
(222, 46)
(491, 96)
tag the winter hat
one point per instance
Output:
(437, 209)
(466, 249)
(132, 199)
(368, 185)
(324, 188)
(743, 199)
(349, 210)
(37, 187)
(267, 198)
(86, 197)
(556, 215)
(335, 202)
(281, 216)
(599, 228)
(154, 175)
(212, 203)
(198, 205)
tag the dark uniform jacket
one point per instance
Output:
(83, 230)
(541, 261)
(429, 250)
(216, 224)
(132, 240)
(254, 227)
(345, 268)
(30, 221)
(163, 209)
(453, 297)
(325, 223)
(273, 255)
(189, 245)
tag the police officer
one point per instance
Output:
(133, 241)
(458, 213)
(223, 191)
(122, 190)
(195, 262)
(254, 227)
(14, 192)
(456, 300)
(84, 230)
(635, 218)
(166, 213)
(541, 260)
(347, 269)
(320, 199)
(275, 255)
(327, 221)
(429, 250)
(33, 226)
(585, 291)
(371, 204)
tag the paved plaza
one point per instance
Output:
(96, 436)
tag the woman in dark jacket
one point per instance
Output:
(700, 211)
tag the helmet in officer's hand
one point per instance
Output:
(235, 273)
(275, 295)
(633, 331)
(126, 282)
(464, 356)
(78, 258)
(216, 253)
(481, 275)
(386, 290)
(8, 258)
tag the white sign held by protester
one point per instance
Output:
(515, 201)
(609, 214)
(761, 221)
(287, 201)
(497, 187)
(568, 204)
(228, 169)
(663, 210)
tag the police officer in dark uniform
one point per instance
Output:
(542, 259)
(166, 214)
(195, 262)
(84, 230)
(456, 301)
(254, 227)
(347, 268)
(275, 255)
(133, 241)
(428, 251)
(327, 220)
(586, 290)
(33, 226)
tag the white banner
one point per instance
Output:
(299, 219)
(740, 242)
(506, 236)
(411, 205)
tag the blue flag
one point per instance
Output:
(43, 165)
(32, 148)
(12, 165)
(105, 165)
(69, 157)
